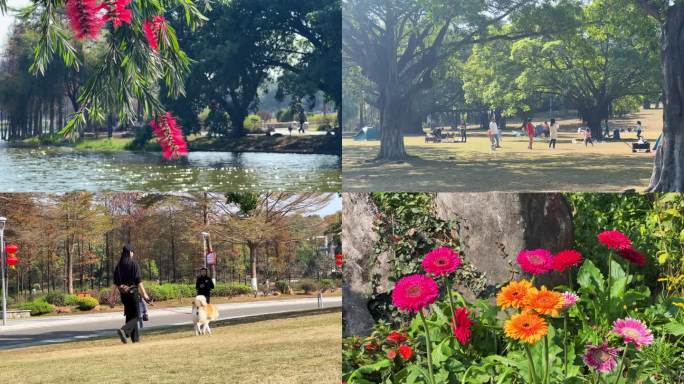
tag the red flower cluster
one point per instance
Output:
(405, 351)
(623, 245)
(170, 136)
(566, 259)
(85, 18)
(117, 12)
(633, 256)
(395, 337)
(151, 29)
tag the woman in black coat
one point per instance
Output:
(127, 281)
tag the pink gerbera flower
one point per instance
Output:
(461, 325)
(633, 331)
(633, 256)
(169, 136)
(441, 261)
(569, 299)
(601, 357)
(85, 18)
(535, 261)
(414, 292)
(117, 12)
(566, 259)
(614, 240)
(151, 29)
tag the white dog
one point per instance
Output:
(202, 314)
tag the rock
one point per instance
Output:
(63, 309)
(358, 239)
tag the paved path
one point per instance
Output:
(58, 329)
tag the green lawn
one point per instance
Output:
(303, 349)
(473, 167)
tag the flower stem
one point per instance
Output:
(451, 295)
(533, 374)
(546, 354)
(429, 346)
(565, 344)
(610, 262)
(622, 364)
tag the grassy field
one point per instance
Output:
(293, 350)
(473, 167)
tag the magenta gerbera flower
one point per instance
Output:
(535, 261)
(633, 256)
(441, 261)
(569, 299)
(414, 292)
(614, 240)
(566, 259)
(461, 324)
(633, 331)
(601, 357)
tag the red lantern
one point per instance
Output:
(12, 261)
(339, 256)
(11, 248)
(339, 262)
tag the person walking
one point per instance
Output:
(530, 133)
(204, 285)
(639, 128)
(547, 129)
(302, 120)
(128, 282)
(463, 131)
(587, 137)
(494, 134)
(553, 133)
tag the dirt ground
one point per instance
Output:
(474, 167)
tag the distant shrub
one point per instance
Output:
(55, 298)
(229, 290)
(284, 115)
(38, 307)
(308, 286)
(327, 284)
(282, 286)
(252, 123)
(70, 299)
(86, 303)
(103, 296)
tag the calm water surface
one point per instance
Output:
(50, 169)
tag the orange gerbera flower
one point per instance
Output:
(544, 302)
(513, 295)
(527, 326)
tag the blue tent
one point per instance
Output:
(367, 133)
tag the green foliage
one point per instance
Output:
(70, 299)
(309, 286)
(252, 122)
(230, 290)
(282, 286)
(86, 303)
(178, 291)
(38, 307)
(55, 298)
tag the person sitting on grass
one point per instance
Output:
(204, 285)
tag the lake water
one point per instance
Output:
(57, 169)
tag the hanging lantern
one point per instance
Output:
(339, 259)
(11, 258)
(12, 261)
(11, 249)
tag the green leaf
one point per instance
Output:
(674, 328)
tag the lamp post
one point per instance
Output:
(3, 220)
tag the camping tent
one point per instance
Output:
(367, 133)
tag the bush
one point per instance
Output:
(38, 307)
(285, 115)
(282, 286)
(253, 123)
(55, 298)
(103, 296)
(308, 286)
(86, 303)
(70, 299)
(230, 290)
(327, 285)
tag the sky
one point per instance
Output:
(334, 206)
(7, 20)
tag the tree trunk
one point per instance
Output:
(391, 137)
(253, 263)
(668, 168)
(237, 123)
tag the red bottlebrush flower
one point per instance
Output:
(441, 261)
(117, 12)
(406, 351)
(396, 337)
(614, 240)
(414, 292)
(169, 136)
(151, 30)
(392, 354)
(85, 18)
(566, 259)
(633, 256)
(535, 261)
(461, 324)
